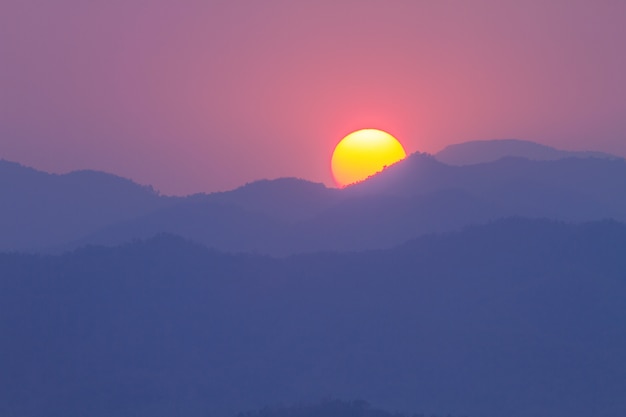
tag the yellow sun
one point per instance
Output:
(364, 153)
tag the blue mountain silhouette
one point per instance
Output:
(416, 196)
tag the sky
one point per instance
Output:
(203, 96)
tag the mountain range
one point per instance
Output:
(420, 195)
(486, 289)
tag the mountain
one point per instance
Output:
(421, 195)
(416, 196)
(258, 217)
(280, 217)
(482, 151)
(515, 318)
(287, 199)
(422, 173)
(40, 209)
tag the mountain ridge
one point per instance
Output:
(284, 216)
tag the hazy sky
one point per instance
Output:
(196, 96)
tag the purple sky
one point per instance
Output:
(196, 96)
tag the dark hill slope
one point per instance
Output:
(517, 318)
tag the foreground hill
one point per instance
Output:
(517, 318)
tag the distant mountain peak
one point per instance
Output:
(482, 151)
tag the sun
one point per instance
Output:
(364, 153)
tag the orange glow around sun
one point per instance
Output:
(364, 153)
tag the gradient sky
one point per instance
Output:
(194, 96)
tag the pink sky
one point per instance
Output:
(194, 96)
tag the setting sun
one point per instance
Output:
(364, 153)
